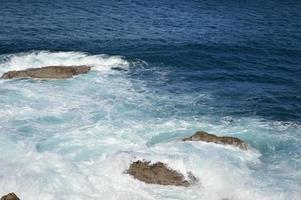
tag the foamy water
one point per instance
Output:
(36, 59)
(75, 138)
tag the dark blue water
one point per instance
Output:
(246, 53)
(227, 67)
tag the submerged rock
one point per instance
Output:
(10, 196)
(49, 72)
(118, 69)
(158, 173)
(226, 140)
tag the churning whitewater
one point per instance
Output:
(75, 138)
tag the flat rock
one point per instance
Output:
(49, 72)
(225, 140)
(10, 196)
(158, 173)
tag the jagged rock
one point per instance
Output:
(49, 72)
(226, 140)
(10, 196)
(158, 173)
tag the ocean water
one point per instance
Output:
(225, 67)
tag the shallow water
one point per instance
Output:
(229, 69)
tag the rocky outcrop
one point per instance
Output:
(49, 72)
(225, 140)
(10, 196)
(158, 173)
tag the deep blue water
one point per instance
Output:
(247, 54)
(228, 66)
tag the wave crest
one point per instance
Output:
(36, 59)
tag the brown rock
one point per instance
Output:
(49, 72)
(10, 196)
(226, 140)
(158, 173)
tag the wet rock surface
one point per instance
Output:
(10, 196)
(49, 72)
(225, 140)
(158, 173)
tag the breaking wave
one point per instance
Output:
(75, 139)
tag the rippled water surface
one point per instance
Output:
(229, 68)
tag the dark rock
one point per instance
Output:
(49, 72)
(10, 196)
(226, 140)
(158, 173)
(118, 69)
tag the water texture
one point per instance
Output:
(225, 67)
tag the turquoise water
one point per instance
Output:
(228, 68)
(74, 138)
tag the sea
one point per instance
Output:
(227, 67)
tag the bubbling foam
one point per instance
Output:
(75, 139)
(36, 59)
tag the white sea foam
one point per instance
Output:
(75, 139)
(38, 59)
